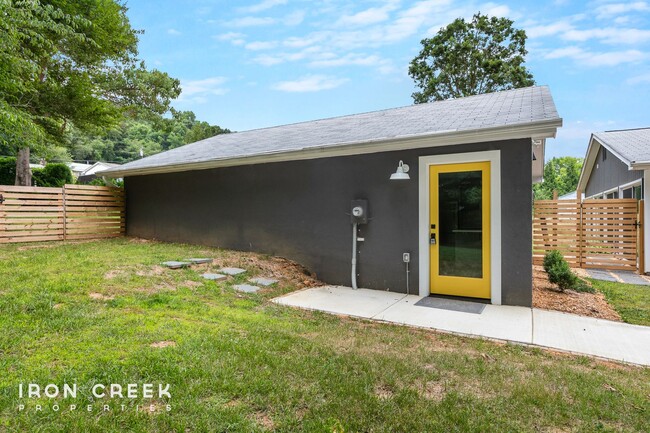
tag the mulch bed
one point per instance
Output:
(548, 297)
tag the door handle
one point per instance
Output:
(432, 239)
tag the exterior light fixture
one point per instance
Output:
(401, 173)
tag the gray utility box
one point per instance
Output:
(359, 211)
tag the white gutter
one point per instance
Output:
(540, 129)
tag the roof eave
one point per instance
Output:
(539, 129)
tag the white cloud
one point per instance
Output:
(368, 16)
(277, 58)
(610, 10)
(294, 18)
(615, 58)
(262, 6)
(639, 79)
(540, 31)
(495, 10)
(198, 91)
(559, 53)
(173, 32)
(232, 37)
(608, 35)
(310, 83)
(348, 59)
(251, 21)
(260, 45)
(595, 59)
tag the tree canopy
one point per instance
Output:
(123, 142)
(561, 174)
(483, 55)
(71, 62)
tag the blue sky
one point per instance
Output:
(246, 65)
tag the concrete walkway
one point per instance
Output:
(562, 331)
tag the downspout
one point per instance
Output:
(354, 255)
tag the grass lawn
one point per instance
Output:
(631, 301)
(239, 363)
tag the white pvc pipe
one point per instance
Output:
(354, 255)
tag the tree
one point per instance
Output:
(561, 174)
(123, 142)
(470, 58)
(66, 62)
(203, 130)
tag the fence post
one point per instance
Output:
(640, 242)
(65, 217)
(581, 227)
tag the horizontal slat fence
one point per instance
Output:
(590, 234)
(35, 214)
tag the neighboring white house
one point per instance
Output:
(78, 168)
(98, 166)
(617, 165)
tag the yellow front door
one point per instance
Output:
(459, 229)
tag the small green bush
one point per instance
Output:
(560, 274)
(52, 175)
(99, 181)
(7, 171)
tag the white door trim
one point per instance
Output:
(492, 156)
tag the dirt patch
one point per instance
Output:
(100, 297)
(190, 284)
(161, 344)
(263, 419)
(139, 241)
(36, 247)
(383, 392)
(434, 391)
(114, 273)
(57, 306)
(151, 271)
(284, 270)
(547, 297)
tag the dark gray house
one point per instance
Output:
(617, 165)
(447, 182)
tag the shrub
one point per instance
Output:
(99, 181)
(7, 171)
(52, 175)
(560, 274)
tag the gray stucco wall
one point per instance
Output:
(299, 210)
(608, 174)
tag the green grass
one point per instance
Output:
(632, 302)
(243, 364)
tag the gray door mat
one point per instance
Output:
(451, 304)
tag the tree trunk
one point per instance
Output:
(23, 172)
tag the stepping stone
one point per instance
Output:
(232, 271)
(246, 288)
(214, 277)
(175, 265)
(263, 281)
(199, 261)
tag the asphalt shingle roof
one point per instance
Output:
(633, 145)
(493, 110)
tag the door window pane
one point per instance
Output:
(460, 222)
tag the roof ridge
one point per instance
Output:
(623, 130)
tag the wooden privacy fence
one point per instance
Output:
(590, 234)
(34, 214)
